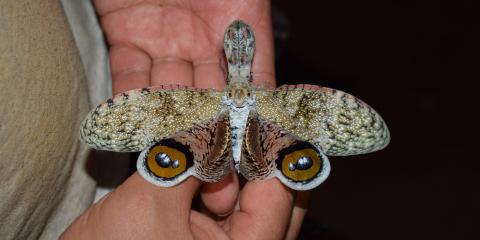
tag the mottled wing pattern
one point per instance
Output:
(203, 151)
(133, 120)
(338, 122)
(211, 146)
(262, 142)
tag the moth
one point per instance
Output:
(261, 133)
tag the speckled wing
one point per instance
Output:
(337, 122)
(133, 120)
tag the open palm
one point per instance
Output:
(162, 42)
(180, 42)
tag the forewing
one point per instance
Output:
(203, 151)
(133, 120)
(337, 122)
(270, 151)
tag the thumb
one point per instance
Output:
(138, 209)
(265, 211)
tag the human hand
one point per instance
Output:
(181, 42)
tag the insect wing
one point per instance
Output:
(270, 151)
(203, 151)
(133, 120)
(337, 122)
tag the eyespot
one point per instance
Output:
(302, 166)
(165, 163)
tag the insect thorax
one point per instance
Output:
(239, 93)
(238, 101)
(239, 107)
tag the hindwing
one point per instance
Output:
(203, 151)
(270, 151)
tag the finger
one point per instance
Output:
(204, 227)
(299, 210)
(133, 210)
(263, 66)
(130, 68)
(164, 33)
(259, 18)
(265, 211)
(208, 72)
(171, 70)
(172, 203)
(220, 198)
(107, 6)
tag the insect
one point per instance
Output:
(285, 132)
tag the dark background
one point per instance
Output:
(416, 63)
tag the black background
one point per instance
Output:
(416, 63)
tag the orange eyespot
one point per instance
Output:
(301, 165)
(167, 161)
(300, 162)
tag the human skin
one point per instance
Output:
(162, 42)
